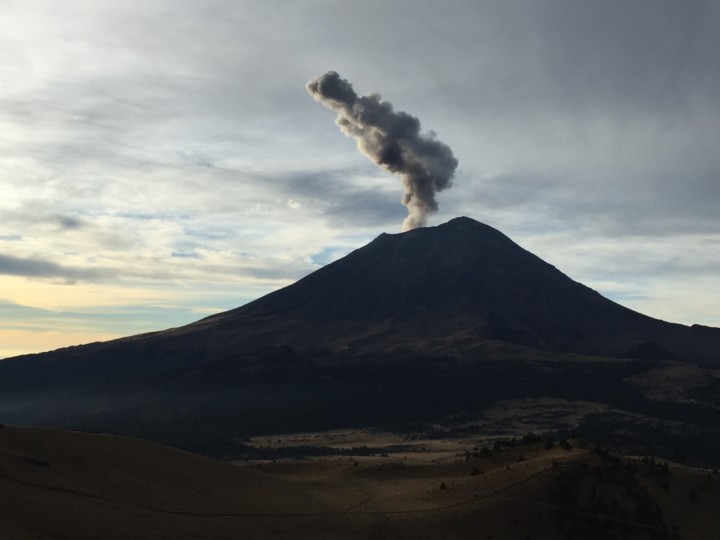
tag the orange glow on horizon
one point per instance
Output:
(17, 342)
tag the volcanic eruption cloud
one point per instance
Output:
(393, 141)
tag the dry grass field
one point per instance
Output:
(77, 486)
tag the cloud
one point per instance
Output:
(39, 268)
(69, 223)
(347, 197)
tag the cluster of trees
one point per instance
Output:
(250, 452)
(500, 444)
(602, 498)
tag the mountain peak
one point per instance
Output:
(463, 223)
(408, 323)
(445, 289)
(438, 290)
(462, 234)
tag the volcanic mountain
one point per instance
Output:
(444, 290)
(434, 290)
(402, 306)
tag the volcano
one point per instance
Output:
(395, 312)
(443, 290)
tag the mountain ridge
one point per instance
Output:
(426, 327)
(436, 290)
(449, 285)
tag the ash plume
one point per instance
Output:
(393, 141)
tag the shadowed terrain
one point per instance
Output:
(58, 485)
(434, 325)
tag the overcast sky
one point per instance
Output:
(161, 160)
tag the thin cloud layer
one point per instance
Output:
(38, 268)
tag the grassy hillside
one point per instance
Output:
(67, 485)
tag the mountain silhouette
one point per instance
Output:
(413, 326)
(434, 290)
(442, 290)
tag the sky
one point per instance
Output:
(161, 160)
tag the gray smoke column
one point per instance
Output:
(393, 141)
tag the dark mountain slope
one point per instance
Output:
(436, 290)
(444, 290)
(412, 328)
